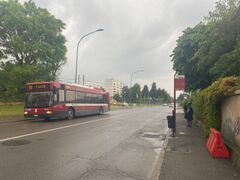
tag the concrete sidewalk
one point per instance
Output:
(186, 157)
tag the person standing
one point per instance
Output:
(189, 115)
(185, 108)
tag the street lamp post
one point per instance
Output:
(131, 82)
(77, 50)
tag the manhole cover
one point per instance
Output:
(16, 142)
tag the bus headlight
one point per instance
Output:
(49, 112)
(25, 112)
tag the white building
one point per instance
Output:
(113, 87)
(92, 84)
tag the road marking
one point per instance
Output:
(63, 127)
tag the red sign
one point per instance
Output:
(179, 83)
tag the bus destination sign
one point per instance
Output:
(38, 87)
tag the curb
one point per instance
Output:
(11, 121)
(157, 170)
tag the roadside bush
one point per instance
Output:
(185, 102)
(207, 102)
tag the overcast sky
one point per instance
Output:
(138, 34)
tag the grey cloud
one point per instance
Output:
(139, 34)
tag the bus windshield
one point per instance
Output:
(38, 99)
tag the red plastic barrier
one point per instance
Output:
(215, 145)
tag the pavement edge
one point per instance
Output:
(157, 169)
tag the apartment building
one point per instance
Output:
(93, 84)
(113, 86)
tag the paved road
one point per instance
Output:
(124, 144)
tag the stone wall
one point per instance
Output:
(231, 123)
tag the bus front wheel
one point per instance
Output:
(70, 114)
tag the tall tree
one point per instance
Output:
(153, 92)
(30, 35)
(136, 93)
(145, 93)
(125, 94)
(210, 50)
(163, 96)
(32, 47)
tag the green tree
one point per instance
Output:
(136, 93)
(186, 59)
(31, 35)
(145, 93)
(118, 98)
(125, 94)
(14, 77)
(31, 42)
(210, 50)
(163, 96)
(153, 92)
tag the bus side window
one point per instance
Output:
(61, 96)
(70, 96)
(55, 98)
(105, 99)
(100, 98)
(80, 97)
(88, 98)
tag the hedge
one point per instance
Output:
(207, 102)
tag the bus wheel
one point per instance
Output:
(70, 114)
(100, 110)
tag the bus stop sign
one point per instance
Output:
(179, 83)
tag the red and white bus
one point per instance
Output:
(53, 100)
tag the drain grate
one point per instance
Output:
(16, 142)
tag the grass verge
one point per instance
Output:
(113, 107)
(11, 111)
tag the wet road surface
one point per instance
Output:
(124, 144)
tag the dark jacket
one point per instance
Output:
(190, 114)
(185, 108)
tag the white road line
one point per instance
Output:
(63, 127)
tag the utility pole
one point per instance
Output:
(83, 79)
(78, 78)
